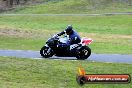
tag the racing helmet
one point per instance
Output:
(69, 29)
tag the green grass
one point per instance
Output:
(46, 73)
(20, 43)
(111, 34)
(94, 24)
(75, 6)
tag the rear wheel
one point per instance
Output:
(84, 53)
(46, 52)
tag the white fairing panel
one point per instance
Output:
(46, 45)
(73, 46)
(63, 40)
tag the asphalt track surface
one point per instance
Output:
(109, 58)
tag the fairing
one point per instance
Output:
(86, 41)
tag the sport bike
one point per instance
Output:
(81, 50)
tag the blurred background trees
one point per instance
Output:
(8, 4)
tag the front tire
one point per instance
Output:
(46, 52)
(84, 53)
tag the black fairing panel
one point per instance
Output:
(64, 52)
(59, 51)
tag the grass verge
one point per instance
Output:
(46, 73)
(118, 24)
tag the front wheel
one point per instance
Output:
(84, 53)
(46, 52)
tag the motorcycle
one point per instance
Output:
(81, 50)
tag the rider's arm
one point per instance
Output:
(61, 33)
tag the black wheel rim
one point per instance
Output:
(45, 51)
(85, 52)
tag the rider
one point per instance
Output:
(74, 37)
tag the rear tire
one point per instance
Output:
(84, 53)
(46, 52)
